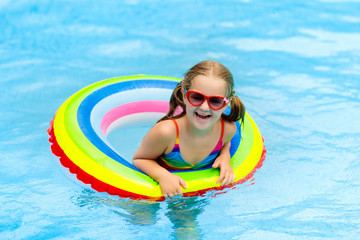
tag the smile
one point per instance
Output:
(202, 116)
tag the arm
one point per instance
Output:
(227, 175)
(152, 147)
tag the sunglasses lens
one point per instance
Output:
(216, 102)
(196, 98)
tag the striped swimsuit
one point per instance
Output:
(174, 160)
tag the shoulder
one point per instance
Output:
(229, 130)
(157, 140)
(163, 131)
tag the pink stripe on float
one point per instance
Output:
(131, 108)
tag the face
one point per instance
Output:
(203, 116)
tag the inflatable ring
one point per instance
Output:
(80, 126)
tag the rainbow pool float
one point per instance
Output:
(80, 126)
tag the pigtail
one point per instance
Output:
(176, 102)
(237, 112)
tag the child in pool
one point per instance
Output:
(201, 129)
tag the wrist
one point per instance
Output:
(163, 176)
(225, 154)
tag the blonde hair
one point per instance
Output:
(206, 68)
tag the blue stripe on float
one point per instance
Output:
(86, 106)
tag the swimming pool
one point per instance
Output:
(297, 69)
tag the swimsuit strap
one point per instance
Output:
(177, 131)
(222, 129)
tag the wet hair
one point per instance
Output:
(206, 68)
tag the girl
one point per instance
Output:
(201, 129)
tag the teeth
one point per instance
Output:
(202, 115)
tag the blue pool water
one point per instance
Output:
(297, 69)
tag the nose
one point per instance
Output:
(205, 106)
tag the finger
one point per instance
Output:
(169, 195)
(182, 183)
(222, 176)
(227, 179)
(178, 192)
(216, 164)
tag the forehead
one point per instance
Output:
(209, 85)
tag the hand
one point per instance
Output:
(227, 175)
(171, 184)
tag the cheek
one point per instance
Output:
(219, 112)
(189, 108)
